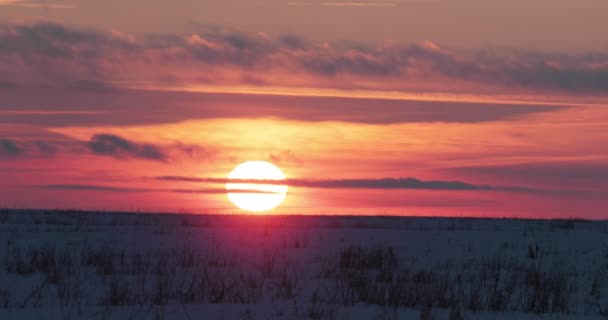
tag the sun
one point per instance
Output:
(263, 197)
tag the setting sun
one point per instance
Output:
(262, 197)
(438, 155)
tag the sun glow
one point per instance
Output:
(263, 197)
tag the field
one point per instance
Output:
(113, 265)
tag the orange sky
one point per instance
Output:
(407, 117)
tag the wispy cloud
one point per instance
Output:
(581, 174)
(382, 183)
(50, 112)
(150, 106)
(87, 187)
(92, 187)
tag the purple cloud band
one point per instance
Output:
(75, 57)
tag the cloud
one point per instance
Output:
(19, 149)
(220, 191)
(575, 174)
(55, 55)
(48, 112)
(381, 184)
(88, 187)
(115, 146)
(102, 145)
(194, 152)
(133, 107)
(9, 148)
(285, 157)
(52, 54)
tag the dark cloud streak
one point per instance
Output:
(382, 184)
(115, 146)
(107, 145)
(9, 148)
(581, 174)
(86, 187)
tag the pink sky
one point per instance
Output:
(452, 113)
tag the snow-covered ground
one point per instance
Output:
(99, 265)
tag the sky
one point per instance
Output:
(404, 107)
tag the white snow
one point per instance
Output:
(100, 265)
